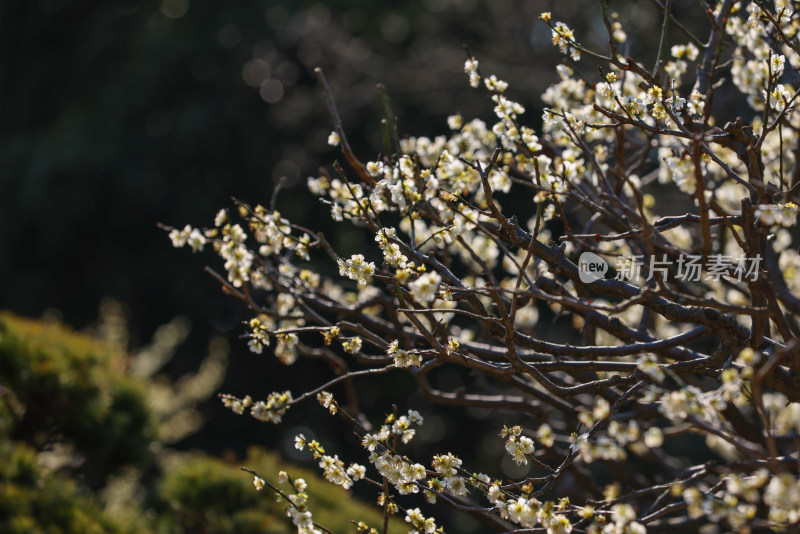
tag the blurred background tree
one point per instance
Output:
(120, 114)
(117, 115)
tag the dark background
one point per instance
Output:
(118, 115)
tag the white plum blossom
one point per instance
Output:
(476, 295)
(356, 268)
(273, 409)
(426, 287)
(471, 69)
(519, 448)
(403, 358)
(455, 122)
(333, 139)
(777, 215)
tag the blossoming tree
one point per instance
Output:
(694, 332)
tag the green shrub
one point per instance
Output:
(67, 396)
(61, 386)
(210, 496)
(33, 502)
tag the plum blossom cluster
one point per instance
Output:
(271, 410)
(666, 403)
(421, 524)
(357, 269)
(777, 214)
(517, 445)
(188, 236)
(298, 509)
(296, 499)
(403, 358)
(335, 471)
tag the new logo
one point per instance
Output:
(591, 267)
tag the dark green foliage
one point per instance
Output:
(211, 496)
(60, 388)
(65, 387)
(31, 502)
(206, 495)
